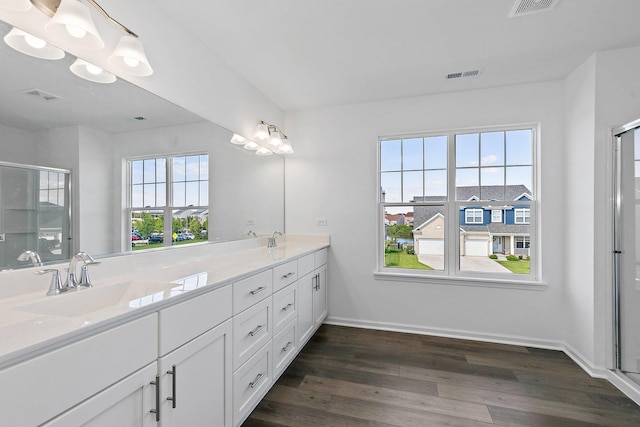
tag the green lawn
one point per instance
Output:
(159, 245)
(403, 260)
(518, 267)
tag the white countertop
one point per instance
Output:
(126, 287)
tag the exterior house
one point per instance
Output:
(484, 229)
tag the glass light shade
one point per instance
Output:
(31, 45)
(276, 139)
(238, 140)
(251, 146)
(93, 73)
(262, 151)
(73, 24)
(129, 58)
(262, 132)
(285, 148)
(15, 5)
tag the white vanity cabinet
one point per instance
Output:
(108, 365)
(195, 361)
(312, 294)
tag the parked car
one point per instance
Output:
(156, 238)
(136, 236)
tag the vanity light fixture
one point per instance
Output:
(88, 71)
(263, 151)
(31, 45)
(262, 131)
(273, 138)
(72, 24)
(238, 139)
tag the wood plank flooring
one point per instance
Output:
(359, 377)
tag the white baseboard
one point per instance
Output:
(624, 384)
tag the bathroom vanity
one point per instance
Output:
(193, 335)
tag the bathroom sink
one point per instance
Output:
(131, 294)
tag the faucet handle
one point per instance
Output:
(55, 287)
(85, 282)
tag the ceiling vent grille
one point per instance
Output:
(37, 93)
(526, 7)
(461, 74)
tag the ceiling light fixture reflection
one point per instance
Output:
(262, 151)
(31, 45)
(238, 139)
(88, 71)
(129, 57)
(72, 24)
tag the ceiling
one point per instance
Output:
(313, 53)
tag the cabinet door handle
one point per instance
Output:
(157, 410)
(313, 282)
(287, 307)
(257, 291)
(174, 375)
(256, 330)
(318, 282)
(255, 382)
(286, 347)
(286, 276)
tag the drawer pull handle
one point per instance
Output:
(256, 330)
(174, 379)
(157, 410)
(255, 382)
(286, 347)
(287, 307)
(257, 291)
(286, 276)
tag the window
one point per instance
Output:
(168, 200)
(522, 216)
(473, 216)
(434, 192)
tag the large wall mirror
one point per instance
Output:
(107, 136)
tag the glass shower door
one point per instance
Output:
(627, 249)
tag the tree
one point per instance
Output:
(148, 225)
(399, 231)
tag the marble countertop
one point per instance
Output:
(32, 323)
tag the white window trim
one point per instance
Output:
(496, 218)
(452, 275)
(472, 213)
(522, 217)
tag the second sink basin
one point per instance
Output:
(74, 303)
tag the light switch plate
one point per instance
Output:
(322, 222)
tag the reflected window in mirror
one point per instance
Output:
(169, 198)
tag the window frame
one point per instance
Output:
(168, 209)
(473, 214)
(452, 273)
(526, 213)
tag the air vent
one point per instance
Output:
(470, 73)
(37, 93)
(140, 118)
(526, 7)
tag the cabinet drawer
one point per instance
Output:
(284, 275)
(183, 322)
(45, 386)
(306, 264)
(321, 257)
(251, 383)
(284, 349)
(285, 307)
(251, 290)
(251, 331)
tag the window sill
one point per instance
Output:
(529, 285)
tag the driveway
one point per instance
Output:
(467, 263)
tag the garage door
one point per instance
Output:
(476, 248)
(431, 246)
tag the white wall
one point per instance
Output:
(578, 179)
(333, 176)
(16, 145)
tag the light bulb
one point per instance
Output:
(34, 42)
(93, 69)
(131, 62)
(76, 32)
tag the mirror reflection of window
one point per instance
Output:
(168, 203)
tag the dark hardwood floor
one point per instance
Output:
(359, 377)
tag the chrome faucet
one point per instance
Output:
(271, 243)
(252, 233)
(72, 273)
(31, 256)
(55, 286)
